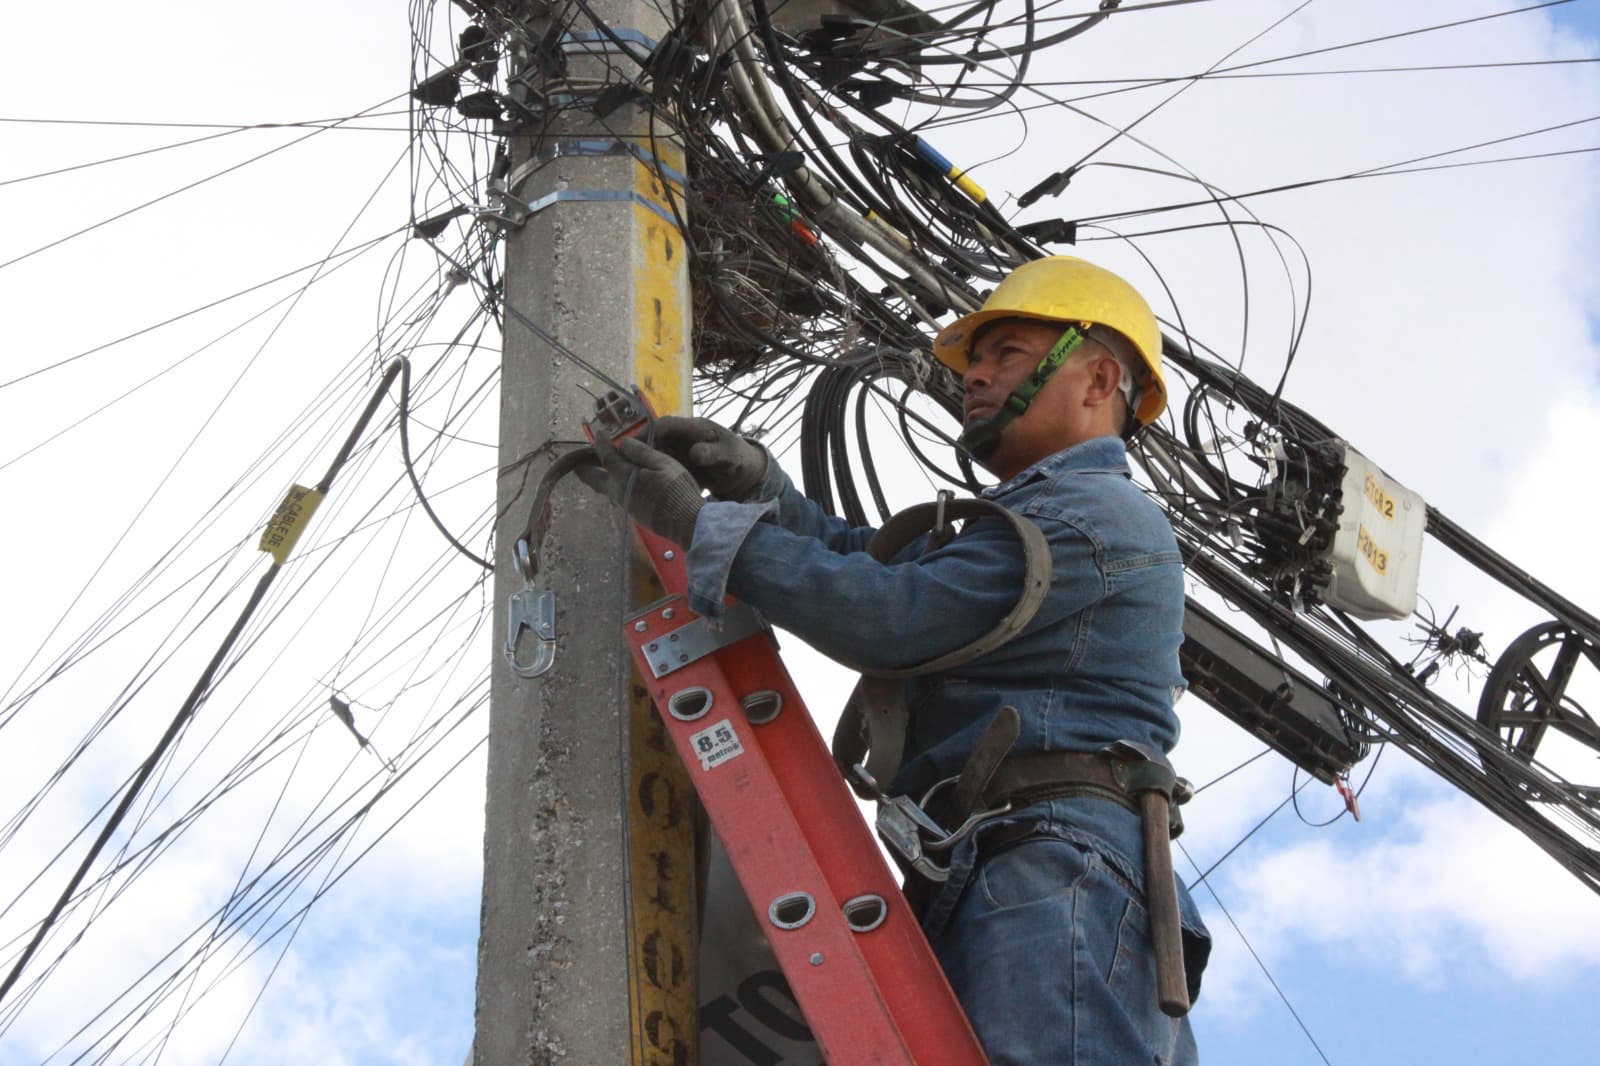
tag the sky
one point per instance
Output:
(1453, 335)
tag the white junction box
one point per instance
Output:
(1377, 551)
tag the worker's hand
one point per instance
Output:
(720, 460)
(658, 492)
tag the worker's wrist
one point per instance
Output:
(676, 517)
(771, 482)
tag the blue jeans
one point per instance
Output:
(1047, 947)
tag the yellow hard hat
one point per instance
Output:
(1063, 288)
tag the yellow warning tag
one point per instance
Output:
(288, 522)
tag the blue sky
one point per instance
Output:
(1451, 337)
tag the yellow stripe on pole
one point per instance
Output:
(661, 359)
(662, 936)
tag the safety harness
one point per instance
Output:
(869, 742)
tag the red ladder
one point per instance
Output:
(852, 951)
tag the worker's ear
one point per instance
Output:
(1105, 379)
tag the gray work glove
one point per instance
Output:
(720, 460)
(659, 493)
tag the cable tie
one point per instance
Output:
(777, 164)
(870, 93)
(1051, 186)
(438, 90)
(1050, 231)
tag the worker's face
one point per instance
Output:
(1066, 411)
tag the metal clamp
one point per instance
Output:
(506, 210)
(514, 212)
(907, 828)
(530, 607)
(695, 639)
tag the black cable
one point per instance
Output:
(1383, 171)
(1260, 962)
(1232, 71)
(553, 341)
(1089, 21)
(227, 132)
(1157, 81)
(317, 123)
(405, 453)
(1123, 130)
(182, 360)
(1372, 768)
(190, 704)
(1253, 830)
(1229, 773)
(353, 250)
(169, 195)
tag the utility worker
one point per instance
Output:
(1041, 921)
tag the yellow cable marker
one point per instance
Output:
(931, 155)
(899, 238)
(968, 186)
(289, 521)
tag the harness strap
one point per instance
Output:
(988, 755)
(904, 528)
(871, 732)
(872, 728)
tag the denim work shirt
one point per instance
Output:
(1098, 662)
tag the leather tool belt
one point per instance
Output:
(1023, 780)
(1132, 775)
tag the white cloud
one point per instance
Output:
(1451, 885)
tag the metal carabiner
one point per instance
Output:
(950, 839)
(905, 826)
(530, 607)
(901, 825)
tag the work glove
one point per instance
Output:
(720, 460)
(658, 492)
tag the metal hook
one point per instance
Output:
(942, 533)
(530, 607)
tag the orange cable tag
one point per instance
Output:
(1350, 802)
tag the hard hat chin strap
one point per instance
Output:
(980, 439)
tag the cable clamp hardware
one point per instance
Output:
(505, 208)
(530, 607)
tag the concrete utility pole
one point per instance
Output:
(586, 952)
